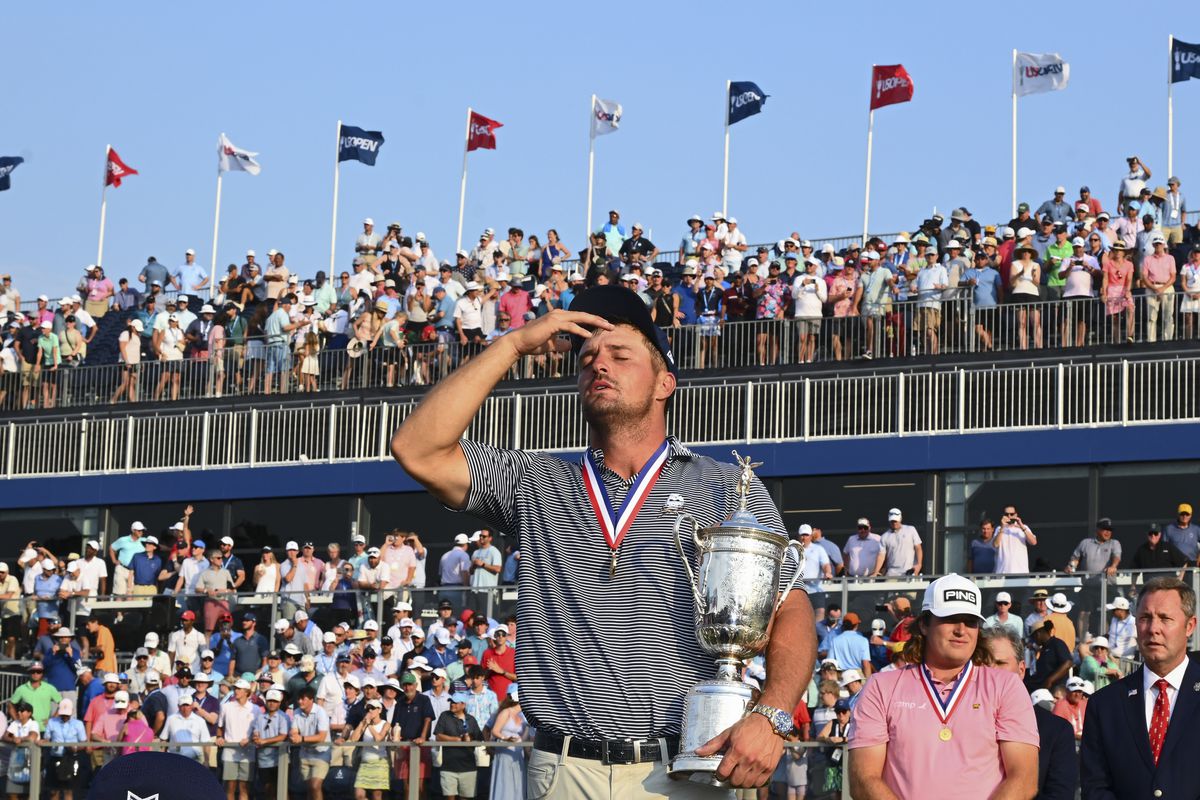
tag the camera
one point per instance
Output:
(882, 607)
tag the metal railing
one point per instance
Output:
(893, 332)
(918, 402)
(326, 607)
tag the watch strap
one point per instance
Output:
(775, 716)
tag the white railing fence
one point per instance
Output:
(1028, 397)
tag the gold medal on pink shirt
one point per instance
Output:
(945, 708)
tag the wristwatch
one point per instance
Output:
(781, 721)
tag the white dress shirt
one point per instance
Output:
(1150, 694)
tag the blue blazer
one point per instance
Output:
(1114, 754)
(1058, 766)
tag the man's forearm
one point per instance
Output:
(442, 418)
(791, 652)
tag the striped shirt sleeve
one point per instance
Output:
(496, 476)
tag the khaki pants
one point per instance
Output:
(1166, 304)
(1174, 235)
(121, 579)
(560, 777)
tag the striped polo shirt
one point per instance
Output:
(601, 657)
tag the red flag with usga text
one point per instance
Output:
(890, 84)
(482, 133)
(116, 170)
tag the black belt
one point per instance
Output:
(609, 751)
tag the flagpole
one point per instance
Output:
(867, 194)
(103, 208)
(333, 226)
(212, 279)
(591, 167)
(1170, 109)
(725, 181)
(462, 192)
(1014, 132)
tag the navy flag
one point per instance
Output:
(745, 100)
(359, 145)
(1185, 61)
(7, 165)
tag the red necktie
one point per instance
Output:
(1159, 718)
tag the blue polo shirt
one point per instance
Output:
(987, 286)
(850, 649)
(126, 547)
(60, 668)
(47, 609)
(145, 568)
(687, 303)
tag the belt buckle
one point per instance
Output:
(607, 757)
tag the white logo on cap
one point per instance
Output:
(959, 595)
(131, 796)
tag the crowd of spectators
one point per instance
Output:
(1072, 272)
(199, 669)
(202, 664)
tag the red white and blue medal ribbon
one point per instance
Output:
(615, 524)
(945, 708)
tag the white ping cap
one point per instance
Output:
(951, 595)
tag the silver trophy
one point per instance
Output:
(735, 589)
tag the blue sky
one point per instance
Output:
(160, 82)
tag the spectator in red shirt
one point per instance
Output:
(516, 301)
(500, 661)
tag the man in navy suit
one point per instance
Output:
(1058, 768)
(1136, 742)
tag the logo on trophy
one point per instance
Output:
(735, 588)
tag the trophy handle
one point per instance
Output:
(686, 561)
(799, 548)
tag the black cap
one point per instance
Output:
(618, 304)
(1154, 528)
(446, 604)
(275, 654)
(463, 643)
(1104, 523)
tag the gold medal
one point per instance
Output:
(945, 734)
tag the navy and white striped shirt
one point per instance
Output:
(601, 657)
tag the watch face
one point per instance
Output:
(782, 721)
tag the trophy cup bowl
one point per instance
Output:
(735, 588)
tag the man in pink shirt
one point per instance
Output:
(516, 301)
(944, 724)
(1158, 278)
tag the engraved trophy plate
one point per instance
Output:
(734, 588)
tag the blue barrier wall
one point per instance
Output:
(783, 459)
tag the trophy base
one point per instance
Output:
(696, 769)
(709, 709)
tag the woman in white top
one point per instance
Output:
(266, 574)
(21, 730)
(170, 353)
(372, 777)
(1078, 293)
(810, 293)
(1026, 275)
(129, 345)
(1189, 281)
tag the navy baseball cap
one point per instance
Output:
(619, 305)
(155, 774)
